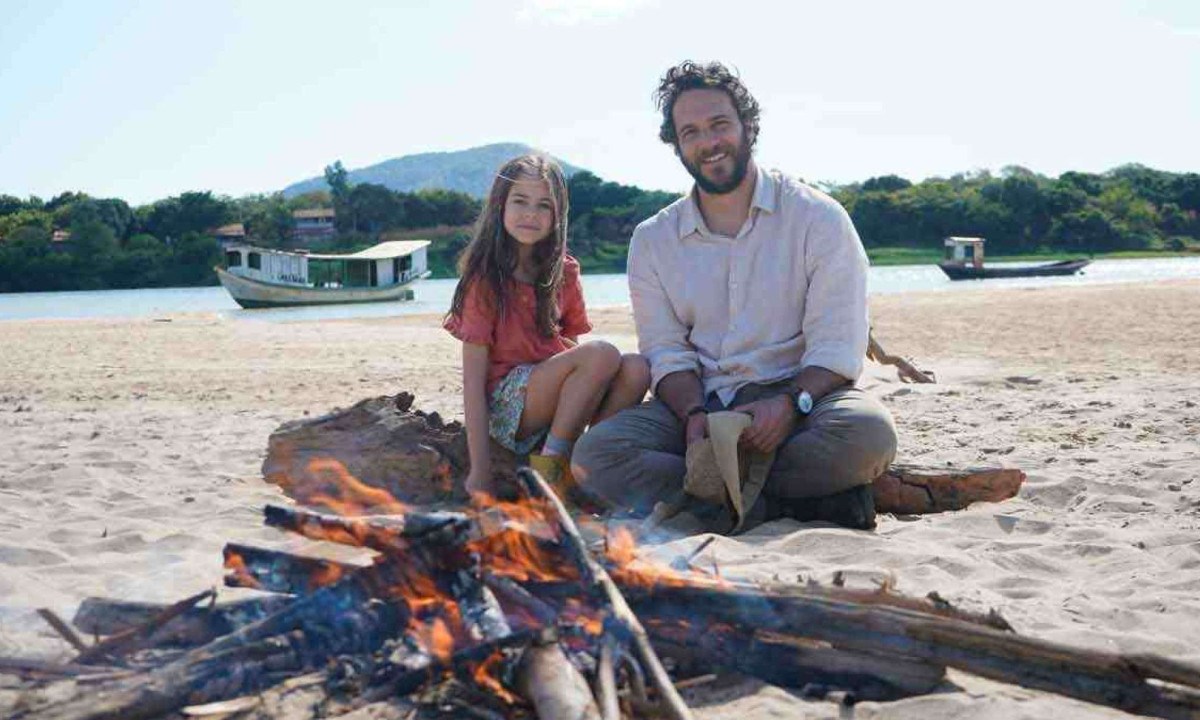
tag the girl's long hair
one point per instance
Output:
(491, 256)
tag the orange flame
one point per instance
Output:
(622, 547)
(235, 563)
(337, 489)
(437, 639)
(486, 675)
(325, 575)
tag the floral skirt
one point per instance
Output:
(504, 412)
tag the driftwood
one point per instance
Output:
(915, 490)
(906, 370)
(384, 444)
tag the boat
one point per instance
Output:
(964, 261)
(261, 277)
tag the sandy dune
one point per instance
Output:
(130, 450)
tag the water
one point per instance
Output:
(433, 296)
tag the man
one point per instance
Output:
(748, 294)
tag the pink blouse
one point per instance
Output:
(513, 339)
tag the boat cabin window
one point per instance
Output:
(233, 258)
(255, 261)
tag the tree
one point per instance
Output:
(374, 208)
(191, 212)
(339, 187)
(267, 219)
(885, 183)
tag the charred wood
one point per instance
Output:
(281, 572)
(194, 626)
(1097, 677)
(142, 635)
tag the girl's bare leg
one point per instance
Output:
(628, 388)
(565, 390)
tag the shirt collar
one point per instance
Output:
(764, 199)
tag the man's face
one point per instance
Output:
(712, 142)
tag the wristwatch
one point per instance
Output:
(802, 401)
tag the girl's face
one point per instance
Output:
(529, 211)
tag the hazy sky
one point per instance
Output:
(142, 100)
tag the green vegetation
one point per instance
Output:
(1129, 211)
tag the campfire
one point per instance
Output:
(517, 607)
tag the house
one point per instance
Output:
(310, 226)
(60, 241)
(229, 234)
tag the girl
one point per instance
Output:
(518, 311)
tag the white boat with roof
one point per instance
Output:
(261, 277)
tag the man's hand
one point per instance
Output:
(774, 420)
(696, 427)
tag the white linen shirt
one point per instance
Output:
(789, 291)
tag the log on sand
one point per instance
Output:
(385, 443)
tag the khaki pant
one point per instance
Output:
(636, 457)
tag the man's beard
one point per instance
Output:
(741, 162)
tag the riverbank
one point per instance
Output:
(130, 453)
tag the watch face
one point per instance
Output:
(804, 402)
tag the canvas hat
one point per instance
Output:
(719, 472)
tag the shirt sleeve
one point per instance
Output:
(662, 336)
(477, 323)
(574, 313)
(836, 321)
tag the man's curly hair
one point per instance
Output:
(689, 75)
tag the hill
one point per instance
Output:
(468, 171)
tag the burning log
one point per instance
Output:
(280, 572)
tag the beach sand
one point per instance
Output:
(130, 454)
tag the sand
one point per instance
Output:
(130, 453)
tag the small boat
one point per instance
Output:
(260, 277)
(964, 261)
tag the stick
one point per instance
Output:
(595, 575)
(63, 629)
(29, 666)
(606, 680)
(907, 371)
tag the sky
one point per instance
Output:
(145, 100)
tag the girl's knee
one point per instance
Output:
(602, 358)
(635, 371)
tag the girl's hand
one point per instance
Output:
(480, 486)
